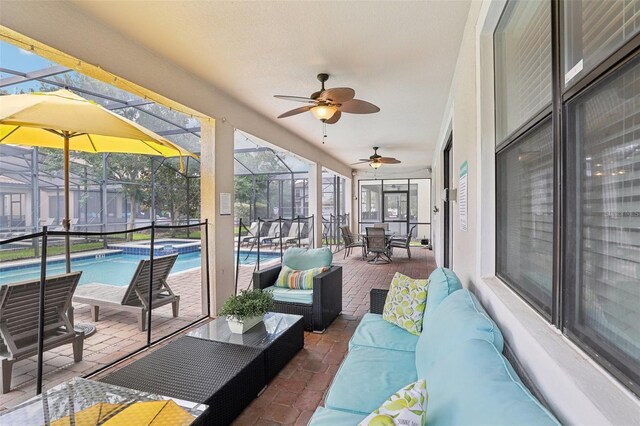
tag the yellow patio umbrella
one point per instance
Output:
(64, 120)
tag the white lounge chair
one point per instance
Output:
(134, 297)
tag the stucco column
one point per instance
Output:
(315, 201)
(216, 171)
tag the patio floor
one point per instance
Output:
(117, 335)
(290, 398)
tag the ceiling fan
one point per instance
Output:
(376, 160)
(327, 105)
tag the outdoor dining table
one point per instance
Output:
(388, 236)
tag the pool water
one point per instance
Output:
(117, 269)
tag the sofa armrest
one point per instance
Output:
(266, 277)
(377, 298)
(327, 297)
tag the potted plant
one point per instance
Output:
(245, 310)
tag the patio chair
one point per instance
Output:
(19, 320)
(134, 297)
(272, 233)
(251, 235)
(402, 241)
(351, 241)
(384, 226)
(318, 306)
(378, 244)
(60, 228)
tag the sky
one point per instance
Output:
(14, 58)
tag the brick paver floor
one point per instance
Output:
(290, 398)
(117, 335)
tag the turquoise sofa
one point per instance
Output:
(459, 353)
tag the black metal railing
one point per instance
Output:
(262, 232)
(46, 236)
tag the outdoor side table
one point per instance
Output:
(223, 376)
(279, 336)
(80, 399)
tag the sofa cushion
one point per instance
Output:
(458, 318)
(475, 384)
(407, 406)
(302, 259)
(442, 282)
(326, 416)
(300, 280)
(405, 303)
(375, 332)
(367, 377)
(291, 295)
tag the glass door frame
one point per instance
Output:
(408, 221)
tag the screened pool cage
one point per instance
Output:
(116, 192)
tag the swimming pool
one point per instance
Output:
(116, 269)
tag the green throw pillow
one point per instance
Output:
(406, 302)
(297, 280)
(407, 407)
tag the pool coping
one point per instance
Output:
(23, 263)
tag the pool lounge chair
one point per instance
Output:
(19, 319)
(134, 297)
(252, 232)
(271, 234)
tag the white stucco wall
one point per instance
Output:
(577, 390)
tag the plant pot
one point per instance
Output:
(242, 326)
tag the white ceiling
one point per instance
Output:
(397, 55)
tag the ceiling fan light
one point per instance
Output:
(375, 165)
(323, 112)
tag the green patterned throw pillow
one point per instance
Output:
(407, 407)
(406, 302)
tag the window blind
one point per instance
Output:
(594, 29)
(603, 303)
(523, 64)
(525, 216)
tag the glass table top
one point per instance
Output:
(87, 402)
(260, 336)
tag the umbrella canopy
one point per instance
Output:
(64, 120)
(42, 119)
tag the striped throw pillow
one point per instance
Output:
(298, 280)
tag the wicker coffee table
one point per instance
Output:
(225, 377)
(278, 336)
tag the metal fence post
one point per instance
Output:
(299, 234)
(43, 279)
(240, 225)
(150, 306)
(206, 244)
(257, 239)
(280, 235)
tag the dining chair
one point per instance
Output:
(378, 244)
(403, 241)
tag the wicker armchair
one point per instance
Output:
(327, 297)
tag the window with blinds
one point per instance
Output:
(594, 29)
(524, 172)
(602, 303)
(523, 64)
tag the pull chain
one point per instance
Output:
(324, 131)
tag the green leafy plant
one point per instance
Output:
(247, 304)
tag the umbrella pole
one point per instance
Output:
(66, 222)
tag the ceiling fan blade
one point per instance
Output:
(295, 99)
(295, 111)
(388, 160)
(334, 118)
(360, 162)
(365, 160)
(357, 106)
(337, 95)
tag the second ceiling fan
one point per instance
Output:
(327, 105)
(377, 160)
